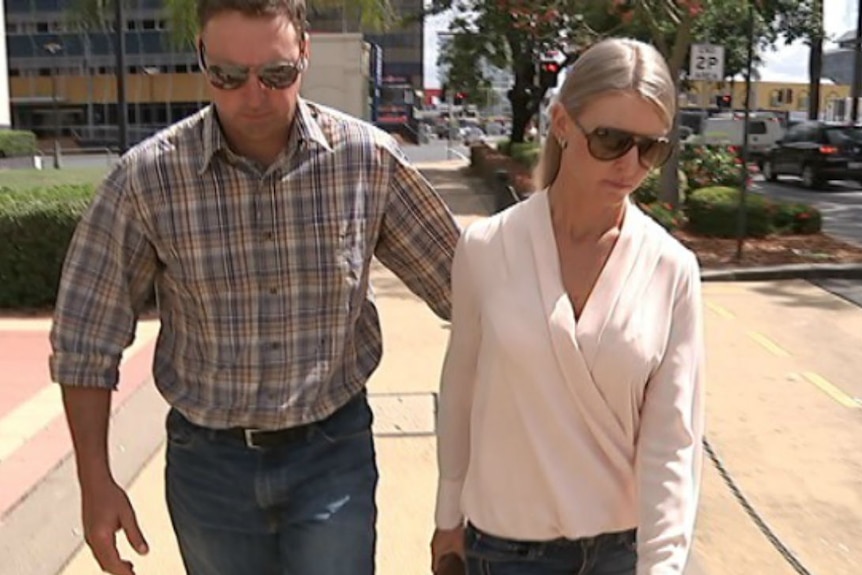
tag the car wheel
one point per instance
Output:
(768, 172)
(810, 179)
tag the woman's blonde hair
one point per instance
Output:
(616, 64)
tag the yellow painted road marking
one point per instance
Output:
(832, 391)
(720, 310)
(768, 344)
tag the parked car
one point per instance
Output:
(817, 152)
(727, 129)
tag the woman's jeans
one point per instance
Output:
(605, 554)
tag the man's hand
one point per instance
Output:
(105, 510)
(445, 542)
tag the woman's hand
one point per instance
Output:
(445, 542)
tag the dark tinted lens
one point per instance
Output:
(608, 144)
(227, 77)
(654, 153)
(278, 76)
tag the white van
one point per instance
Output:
(764, 130)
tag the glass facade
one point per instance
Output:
(60, 74)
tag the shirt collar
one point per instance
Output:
(305, 130)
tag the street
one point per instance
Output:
(840, 203)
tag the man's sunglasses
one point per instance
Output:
(274, 75)
(607, 144)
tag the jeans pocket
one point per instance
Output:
(179, 431)
(618, 556)
(353, 421)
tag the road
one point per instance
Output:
(840, 203)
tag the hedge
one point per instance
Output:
(36, 226)
(17, 143)
(714, 212)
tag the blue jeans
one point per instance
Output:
(305, 507)
(606, 554)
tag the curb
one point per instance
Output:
(785, 272)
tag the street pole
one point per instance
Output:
(122, 112)
(56, 113)
(857, 63)
(740, 232)
(54, 48)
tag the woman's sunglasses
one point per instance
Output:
(607, 144)
(274, 76)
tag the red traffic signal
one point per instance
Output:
(548, 74)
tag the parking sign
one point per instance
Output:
(707, 62)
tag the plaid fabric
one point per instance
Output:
(267, 317)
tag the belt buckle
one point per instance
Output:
(249, 438)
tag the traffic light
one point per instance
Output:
(548, 74)
(723, 102)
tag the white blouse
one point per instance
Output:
(550, 427)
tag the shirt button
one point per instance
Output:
(274, 345)
(268, 236)
(273, 290)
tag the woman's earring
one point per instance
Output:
(563, 143)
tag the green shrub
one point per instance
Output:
(650, 190)
(17, 143)
(35, 229)
(706, 166)
(528, 156)
(794, 218)
(664, 214)
(713, 212)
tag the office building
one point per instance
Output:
(62, 73)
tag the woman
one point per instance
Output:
(571, 402)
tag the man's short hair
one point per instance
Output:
(295, 10)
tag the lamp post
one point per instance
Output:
(122, 111)
(740, 229)
(55, 48)
(151, 72)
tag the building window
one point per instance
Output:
(41, 26)
(802, 102)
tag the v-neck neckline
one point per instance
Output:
(600, 295)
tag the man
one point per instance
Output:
(256, 221)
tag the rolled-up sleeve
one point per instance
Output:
(669, 447)
(107, 277)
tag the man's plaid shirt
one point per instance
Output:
(267, 319)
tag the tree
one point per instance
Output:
(182, 14)
(675, 24)
(513, 35)
(802, 20)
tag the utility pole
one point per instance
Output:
(740, 238)
(122, 112)
(55, 48)
(857, 63)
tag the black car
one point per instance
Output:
(817, 152)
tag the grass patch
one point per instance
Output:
(49, 177)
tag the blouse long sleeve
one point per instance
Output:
(669, 446)
(456, 391)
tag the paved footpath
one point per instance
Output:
(782, 414)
